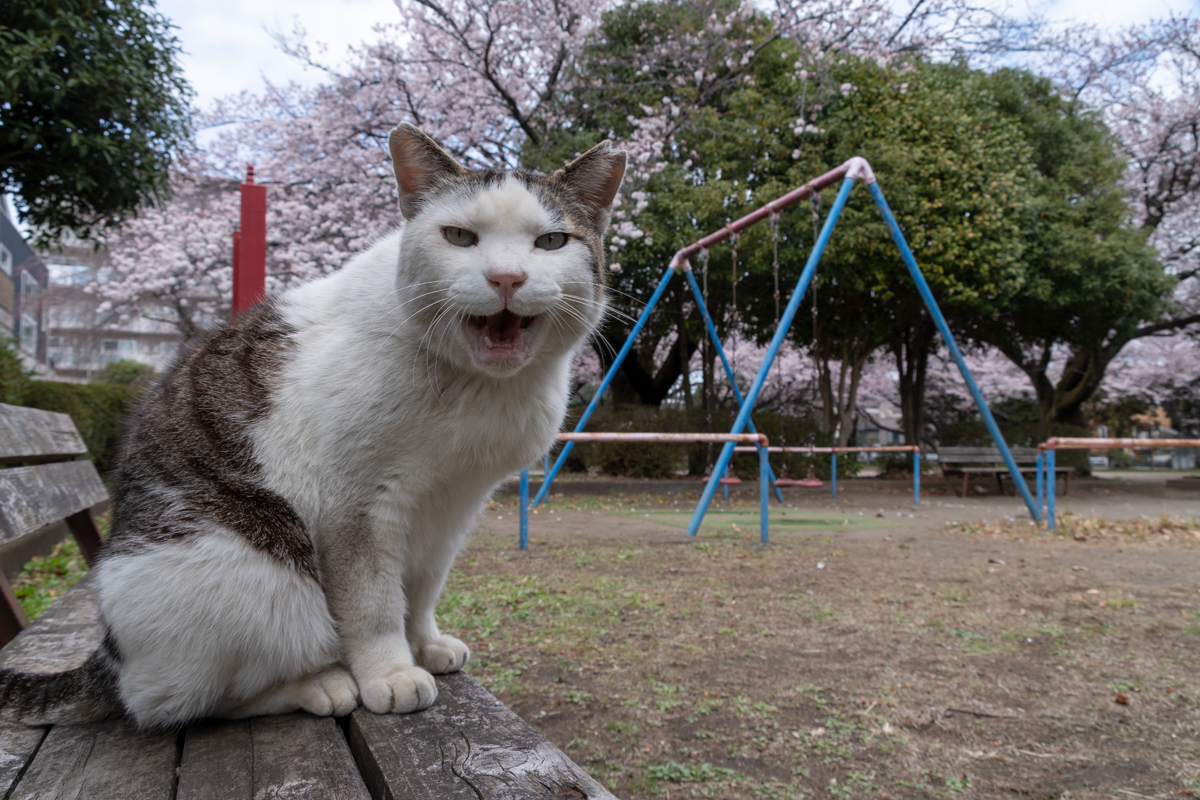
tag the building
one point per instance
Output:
(81, 338)
(23, 280)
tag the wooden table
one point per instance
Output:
(467, 745)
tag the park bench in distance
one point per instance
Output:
(467, 745)
(968, 461)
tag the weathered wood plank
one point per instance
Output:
(218, 761)
(466, 745)
(18, 743)
(63, 637)
(32, 497)
(302, 756)
(101, 761)
(30, 434)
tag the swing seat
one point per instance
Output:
(808, 483)
(730, 481)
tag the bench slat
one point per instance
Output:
(218, 761)
(18, 743)
(32, 497)
(300, 750)
(63, 637)
(295, 755)
(101, 760)
(466, 745)
(30, 434)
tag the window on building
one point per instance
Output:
(168, 349)
(116, 349)
(29, 332)
(29, 284)
(5, 260)
(69, 274)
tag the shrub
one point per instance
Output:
(97, 410)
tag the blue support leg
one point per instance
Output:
(764, 495)
(785, 323)
(725, 487)
(833, 474)
(1051, 490)
(1040, 477)
(916, 479)
(544, 492)
(944, 329)
(525, 509)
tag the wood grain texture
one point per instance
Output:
(18, 743)
(30, 434)
(218, 761)
(302, 756)
(99, 761)
(32, 497)
(63, 637)
(466, 745)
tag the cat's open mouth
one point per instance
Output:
(500, 336)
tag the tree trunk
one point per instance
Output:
(911, 349)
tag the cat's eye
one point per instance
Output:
(550, 241)
(460, 237)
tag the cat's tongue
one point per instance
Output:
(501, 335)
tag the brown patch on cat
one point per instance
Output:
(189, 439)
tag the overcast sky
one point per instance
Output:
(228, 48)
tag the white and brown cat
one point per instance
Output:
(291, 496)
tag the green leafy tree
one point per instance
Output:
(93, 109)
(1093, 283)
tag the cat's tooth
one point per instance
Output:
(488, 343)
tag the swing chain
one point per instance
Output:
(774, 222)
(733, 244)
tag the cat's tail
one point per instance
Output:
(84, 694)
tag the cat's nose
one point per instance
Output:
(506, 280)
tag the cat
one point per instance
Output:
(290, 496)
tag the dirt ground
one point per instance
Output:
(872, 649)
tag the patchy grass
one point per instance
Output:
(912, 661)
(44, 579)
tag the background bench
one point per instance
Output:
(467, 745)
(49, 486)
(968, 461)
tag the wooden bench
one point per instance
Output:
(467, 745)
(49, 485)
(968, 461)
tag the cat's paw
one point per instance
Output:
(405, 690)
(331, 692)
(443, 655)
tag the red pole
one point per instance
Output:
(250, 247)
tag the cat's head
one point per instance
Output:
(503, 266)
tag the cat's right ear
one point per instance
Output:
(420, 164)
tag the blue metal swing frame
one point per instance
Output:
(855, 169)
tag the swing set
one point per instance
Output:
(853, 170)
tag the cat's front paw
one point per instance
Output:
(405, 690)
(331, 692)
(443, 655)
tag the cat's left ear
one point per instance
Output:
(421, 166)
(593, 180)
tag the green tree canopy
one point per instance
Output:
(93, 108)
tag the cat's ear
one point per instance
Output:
(593, 180)
(420, 164)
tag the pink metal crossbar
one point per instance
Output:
(744, 438)
(1067, 443)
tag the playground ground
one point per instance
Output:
(872, 649)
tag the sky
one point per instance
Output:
(228, 48)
